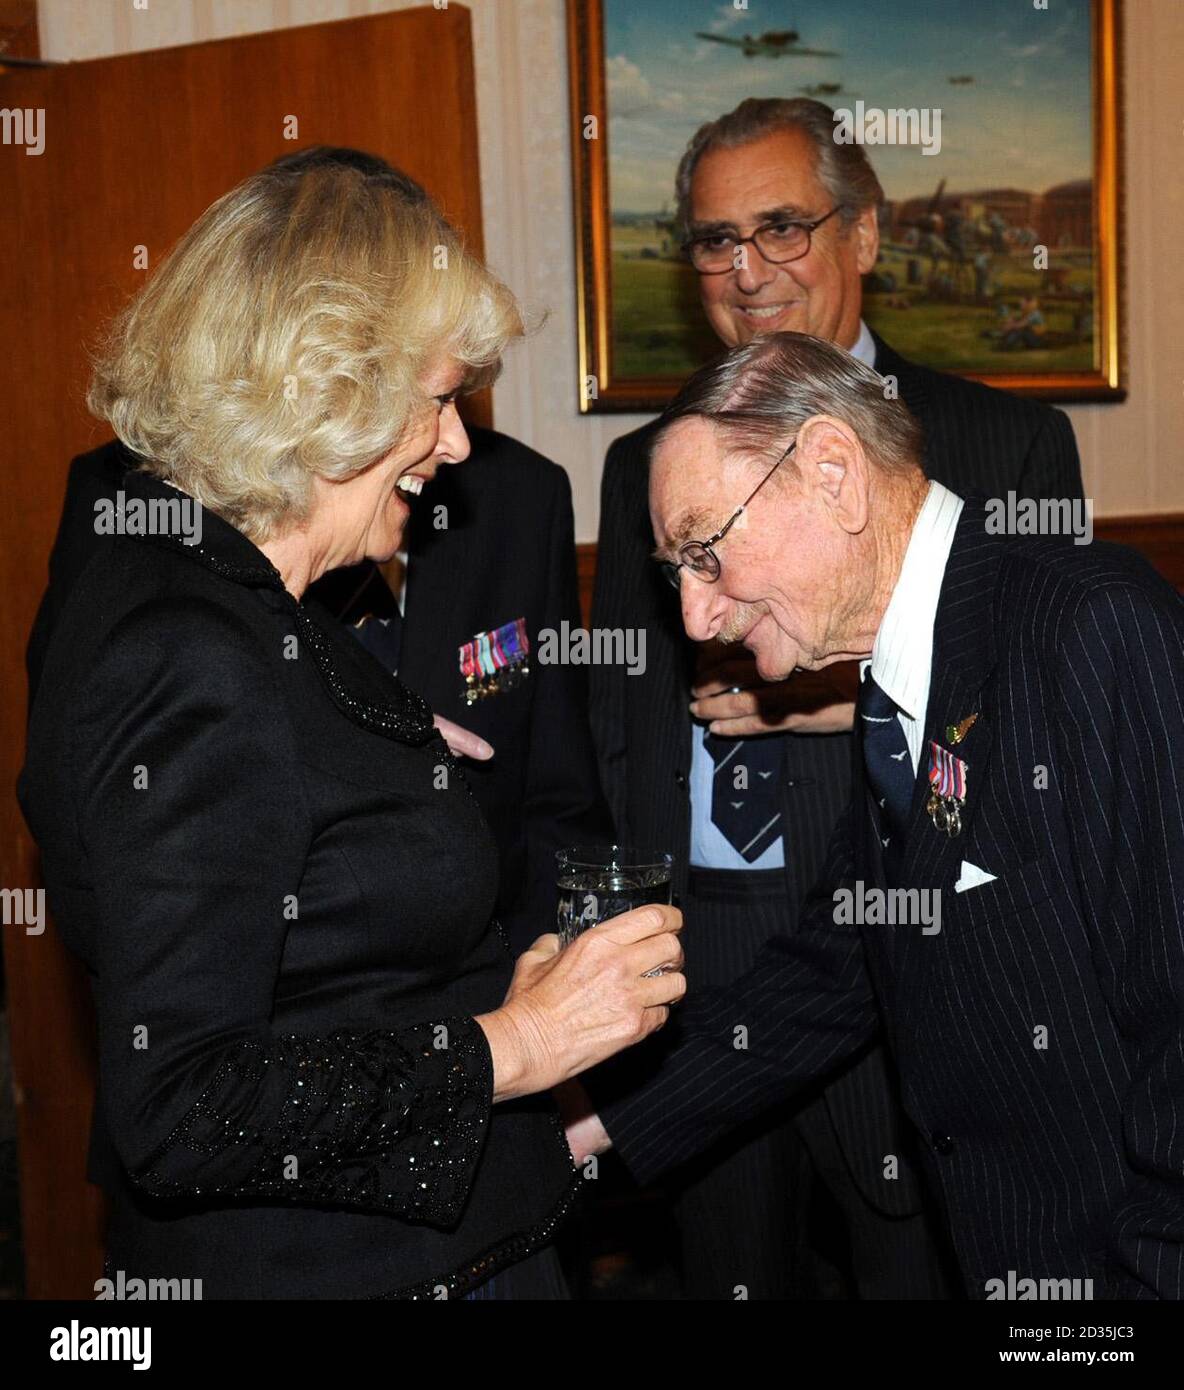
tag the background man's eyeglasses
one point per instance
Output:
(699, 556)
(778, 242)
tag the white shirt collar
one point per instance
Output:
(864, 347)
(902, 655)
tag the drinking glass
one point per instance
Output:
(597, 882)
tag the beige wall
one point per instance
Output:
(1131, 452)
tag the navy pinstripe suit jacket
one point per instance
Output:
(976, 441)
(1039, 1035)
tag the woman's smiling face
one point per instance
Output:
(371, 509)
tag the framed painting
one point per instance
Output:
(993, 129)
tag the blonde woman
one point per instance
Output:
(320, 1073)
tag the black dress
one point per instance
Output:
(282, 888)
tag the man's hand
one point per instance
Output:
(461, 742)
(585, 1134)
(729, 693)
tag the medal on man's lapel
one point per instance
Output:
(495, 661)
(947, 789)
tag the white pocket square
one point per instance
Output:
(972, 876)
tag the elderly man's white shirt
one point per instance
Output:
(902, 655)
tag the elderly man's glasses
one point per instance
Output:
(699, 556)
(778, 242)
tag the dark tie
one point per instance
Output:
(889, 767)
(748, 815)
(380, 630)
(382, 637)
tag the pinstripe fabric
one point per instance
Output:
(977, 440)
(1038, 1034)
(743, 1206)
(739, 1205)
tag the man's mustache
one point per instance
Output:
(742, 621)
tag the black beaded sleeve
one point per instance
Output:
(385, 1121)
(192, 810)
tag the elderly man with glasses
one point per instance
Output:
(1003, 897)
(698, 556)
(744, 778)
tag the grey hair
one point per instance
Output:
(843, 170)
(759, 396)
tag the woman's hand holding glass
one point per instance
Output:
(569, 1008)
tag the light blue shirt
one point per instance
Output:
(865, 346)
(710, 848)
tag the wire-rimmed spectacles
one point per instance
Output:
(699, 556)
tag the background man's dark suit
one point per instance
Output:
(1062, 1161)
(506, 553)
(976, 440)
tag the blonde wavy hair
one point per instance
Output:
(286, 333)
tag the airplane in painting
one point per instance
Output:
(775, 43)
(960, 81)
(823, 89)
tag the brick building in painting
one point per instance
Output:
(1062, 216)
(1066, 215)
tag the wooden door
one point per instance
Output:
(135, 147)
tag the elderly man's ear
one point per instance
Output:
(832, 465)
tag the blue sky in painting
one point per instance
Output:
(1025, 122)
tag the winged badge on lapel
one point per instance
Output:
(496, 661)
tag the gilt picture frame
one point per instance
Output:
(1000, 249)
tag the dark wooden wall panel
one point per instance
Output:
(136, 147)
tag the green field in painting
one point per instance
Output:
(951, 336)
(659, 329)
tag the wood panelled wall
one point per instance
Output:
(138, 145)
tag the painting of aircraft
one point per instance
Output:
(776, 43)
(956, 233)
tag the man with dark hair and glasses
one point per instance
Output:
(779, 241)
(742, 778)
